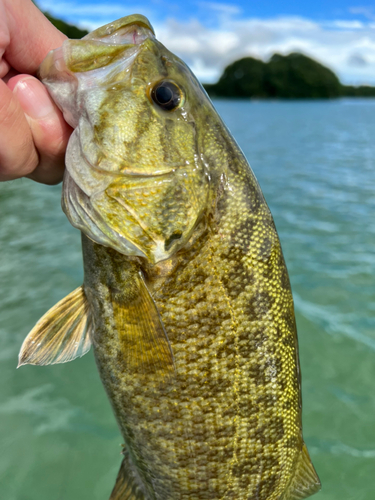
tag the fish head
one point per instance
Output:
(137, 178)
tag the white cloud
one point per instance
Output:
(364, 11)
(332, 44)
(357, 60)
(346, 25)
(221, 8)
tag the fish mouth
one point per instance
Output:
(120, 31)
(116, 42)
(117, 37)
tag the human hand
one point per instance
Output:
(33, 133)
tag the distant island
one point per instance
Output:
(294, 76)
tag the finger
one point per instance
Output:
(50, 132)
(32, 36)
(18, 156)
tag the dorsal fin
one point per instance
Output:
(145, 345)
(127, 484)
(61, 335)
(305, 482)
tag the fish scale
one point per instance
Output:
(186, 298)
(232, 345)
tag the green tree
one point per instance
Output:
(243, 78)
(294, 76)
(298, 76)
(69, 30)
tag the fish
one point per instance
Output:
(186, 299)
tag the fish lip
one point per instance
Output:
(114, 27)
(114, 33)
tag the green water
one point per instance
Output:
(315, 162)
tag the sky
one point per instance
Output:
(209, 35)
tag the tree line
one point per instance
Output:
(294, 76)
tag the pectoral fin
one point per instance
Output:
(127, 484)
(306, 481)
(145, 345)
(61, 335)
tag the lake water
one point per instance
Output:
(315, 162)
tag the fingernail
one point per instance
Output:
(34, 98)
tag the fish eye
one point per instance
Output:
(167, 95)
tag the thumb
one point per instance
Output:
(50, 132)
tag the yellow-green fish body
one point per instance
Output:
(186, 297)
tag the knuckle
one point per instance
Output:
(53, 138)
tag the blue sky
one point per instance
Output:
(208, 35)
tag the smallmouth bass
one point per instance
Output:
(186, 298)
